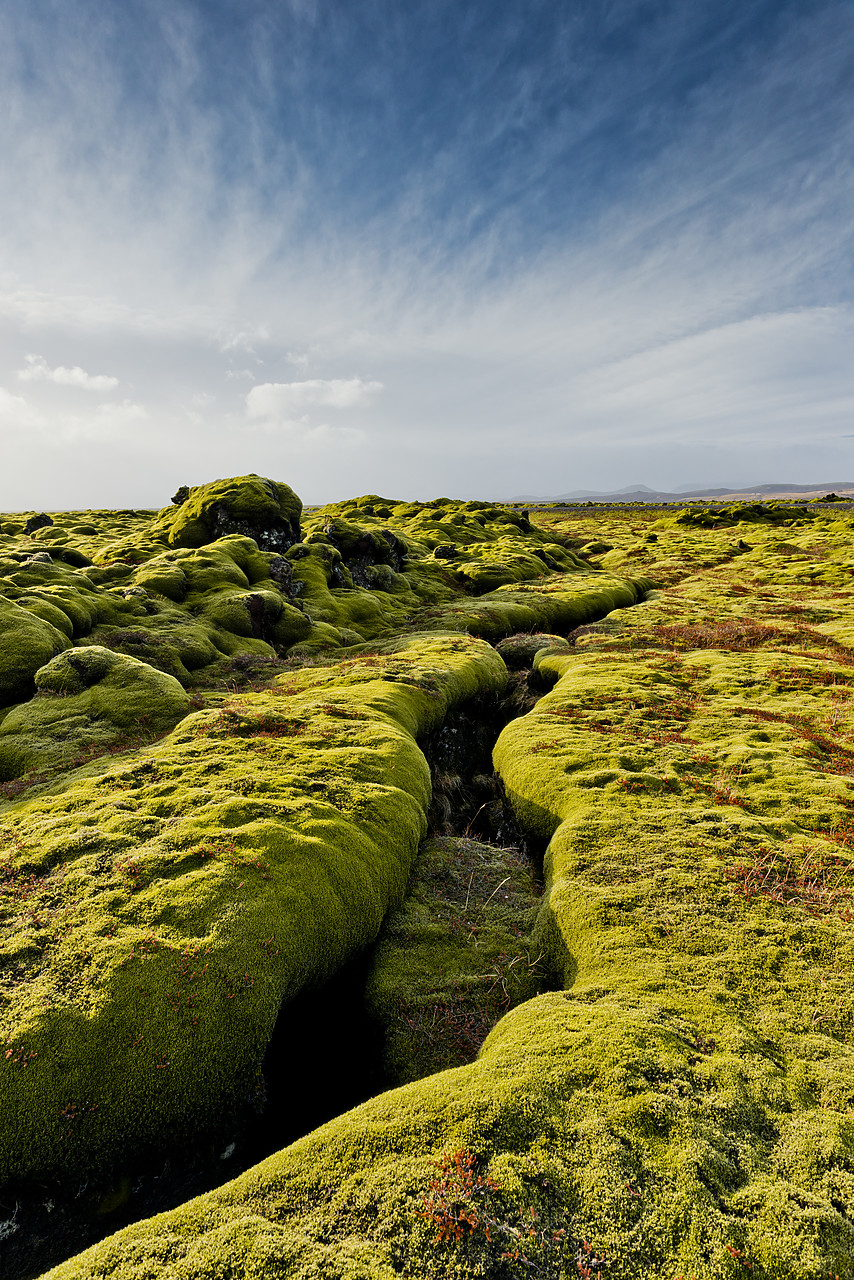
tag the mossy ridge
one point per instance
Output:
(727, 913)
(454, 957)
(586, 1114)
(157, 915)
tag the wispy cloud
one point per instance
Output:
(565, 247)
(36, 369)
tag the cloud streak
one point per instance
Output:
(563, 247)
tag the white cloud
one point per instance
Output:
(115, 420)
(300, 359)
(37, 369)
(275, 399)
(769, 378)
(244, 340)
(122, 413)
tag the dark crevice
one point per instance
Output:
(468, 795)
(322, 1059)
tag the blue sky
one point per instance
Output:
(485, 247)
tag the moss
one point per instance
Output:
(267, 511)
(87, 701)
(284, 822)
(453, 958)
(364, 570)
(594, 1110)
(684, 1106)
(521, 650)
(29, 641)
(158, 913)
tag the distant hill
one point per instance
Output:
(642, 493)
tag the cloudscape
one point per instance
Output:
(472, 249)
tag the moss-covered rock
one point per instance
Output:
(87, 701)
(520, 650)
(27, 642)
(267, 511)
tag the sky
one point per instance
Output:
(464, 248)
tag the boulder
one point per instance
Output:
(265, 510)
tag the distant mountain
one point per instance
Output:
(642, 493)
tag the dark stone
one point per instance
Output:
(282, 574)
(37, 522)
(397, 547)
(279, 535)
(255, 608)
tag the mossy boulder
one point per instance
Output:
(27, 642)
(267, 511)
(88, 700)
(521, 650)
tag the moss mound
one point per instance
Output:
(28, 642)
(267, 511)
(88, 700)
(521, 650)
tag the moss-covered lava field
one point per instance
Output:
(400, 889)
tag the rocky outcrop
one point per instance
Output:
(267, 511)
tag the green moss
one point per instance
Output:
(453, 958)
(521, 650)
(265, 510)
(365, 570)
(28, 642)
(157, 914)
(594, 1117)
(683, 1107)
(724, 911)
(87, 701)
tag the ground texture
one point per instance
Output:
(614, 986)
